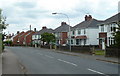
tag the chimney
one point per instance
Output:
(34, 29)
(30, 27)
(9, 34)
(44, 27)
(12, 34)
(63, 23)
(18, 32)
(87, 18)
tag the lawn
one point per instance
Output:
(100, 52)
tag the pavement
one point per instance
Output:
(10, 63)
(96, 57)
(0, 64)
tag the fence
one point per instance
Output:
(113, 52)
(81, 49)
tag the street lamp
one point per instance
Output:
(69, 26)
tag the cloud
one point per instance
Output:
(38, 13)
(119, 6)
(26, 5)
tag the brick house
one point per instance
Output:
(25, 38)
(15, 38)
(28, 38)
(61, 33)
(106, 30)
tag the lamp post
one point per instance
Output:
(69, 27)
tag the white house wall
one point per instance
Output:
(36, 37)
(92, 36)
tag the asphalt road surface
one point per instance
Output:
(45, 61)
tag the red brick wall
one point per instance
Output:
(21, 38)
(29, 38)
(15, 39)
(64, 37)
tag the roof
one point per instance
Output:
(93, 23)
(17, 35)
(25, 33)
(43, 31)
(62, 28)
(112, 19)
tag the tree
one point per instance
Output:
(117, 35)
(48, 37)
(3, 25)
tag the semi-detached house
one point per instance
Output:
(37, 36)
(106, 30)
(15, 38)
(61, 34)
(86, 32)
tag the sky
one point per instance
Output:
(38, 13)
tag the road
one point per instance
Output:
(46, 61)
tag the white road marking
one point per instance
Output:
(97, 72)
(49, 56)
(67, 62)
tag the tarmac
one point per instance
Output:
(96, 57)
(9, 63)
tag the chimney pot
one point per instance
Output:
(44, 27)
(18, 32)
(87, 18)
(34, 29)
(63, 23)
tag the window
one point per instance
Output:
(113, 41)
(84, 31)
(79, 32)
(84, 41)
(73, 32)
(80, 42)
(102, 28)
(109, 40)
(77, 41)
(114, 29)
(35, 36)
(71, 41)
(39, 36)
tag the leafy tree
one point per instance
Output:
(3, 25)
(117, 35)
(7, 42)
(48, 37)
